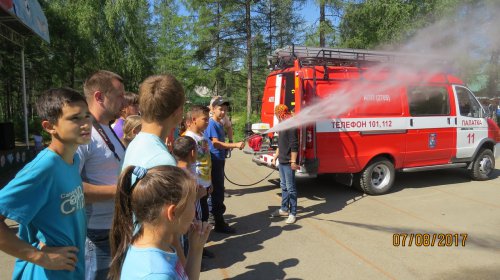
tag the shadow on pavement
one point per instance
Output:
(329, 197)
(434, 178)
(247, 190)
(267, 270)
(254, 229)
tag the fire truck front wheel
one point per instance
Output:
(483, 165)
(377, 177)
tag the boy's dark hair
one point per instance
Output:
(50, 104)
(159, 97)
(100, 81)
(183, 147)
(197, 110)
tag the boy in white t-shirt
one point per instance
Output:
(196, 122)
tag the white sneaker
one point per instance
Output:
(279, 213)
(291, 219)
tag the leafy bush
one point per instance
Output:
(239, 121)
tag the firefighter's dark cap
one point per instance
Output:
(219, 102)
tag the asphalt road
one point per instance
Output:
(342, 234)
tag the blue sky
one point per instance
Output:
(310, 11)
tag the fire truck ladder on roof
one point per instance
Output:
(311, 56)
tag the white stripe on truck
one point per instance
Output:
(277, 96)
(397, 123)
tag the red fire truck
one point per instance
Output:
(429, 121)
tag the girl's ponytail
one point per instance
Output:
(122, 228)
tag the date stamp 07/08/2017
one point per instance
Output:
(429, 239)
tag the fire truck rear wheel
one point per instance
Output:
(483, 165)
(377, 177)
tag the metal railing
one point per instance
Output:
(313, 56)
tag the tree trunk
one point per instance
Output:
(270, 26)
(322, 23)
(217, 52)
(73, 66)
(249, 59)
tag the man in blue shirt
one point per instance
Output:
(218, 147)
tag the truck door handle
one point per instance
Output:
(449, 121)
(455, 121)
(411, 122)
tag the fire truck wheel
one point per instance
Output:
(377, 177)
(482, 165)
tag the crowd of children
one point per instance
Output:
(79, 220)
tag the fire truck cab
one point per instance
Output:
(430, 121)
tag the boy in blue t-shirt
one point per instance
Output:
(161, 103)
(218, 147)
(46, 196)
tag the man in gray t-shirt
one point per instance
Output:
(100, 163)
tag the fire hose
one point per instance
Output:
(246, 185)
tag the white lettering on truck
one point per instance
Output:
(377, 98)
(362, 124)
(471, 122)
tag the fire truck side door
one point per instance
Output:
(431, 133)
(472, 125)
